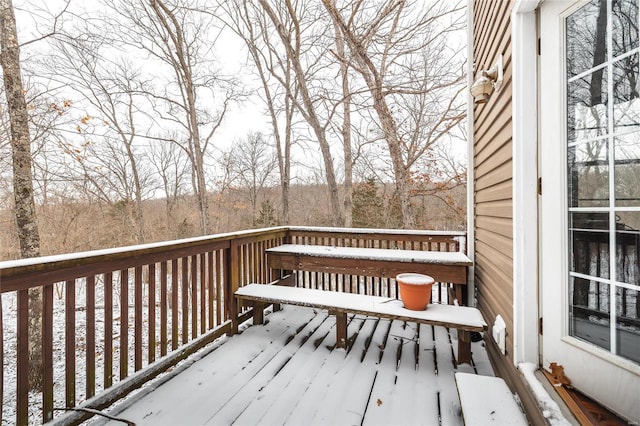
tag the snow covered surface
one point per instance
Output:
(127, 249)
(287, 372)
(415, 279)
(409, 256)
(550, 409)
(377, 231)
(487, 401)
(116, 250)
(357, 302)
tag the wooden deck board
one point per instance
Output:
(278, 399)
(348, 390)
(447, 392)
(272, 380)
(287, 372)
(339, 373)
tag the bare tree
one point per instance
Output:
(171, 165)
(346, 126)
(398, 55)
(113, 90)
(251, 24)
(291, 36)
(253, 166)
(25, 210)
(180, 37)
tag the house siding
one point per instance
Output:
(493, 170)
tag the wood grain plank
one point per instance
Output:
(124, 323)
(108, 330)
(90, 324)
(70, 343)
(151, 355)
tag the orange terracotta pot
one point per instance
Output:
(415, 290)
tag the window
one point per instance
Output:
(603, 175)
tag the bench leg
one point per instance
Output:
(234, 311)
(464, 347)
(460, 295)
(258, 313)
(341, 329)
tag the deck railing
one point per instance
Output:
(114, 319)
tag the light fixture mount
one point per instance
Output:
(488, 81)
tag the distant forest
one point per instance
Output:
(71, 226)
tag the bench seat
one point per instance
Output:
(464, 319)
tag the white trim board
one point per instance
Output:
(525, 181)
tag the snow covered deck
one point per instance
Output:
(289, 372)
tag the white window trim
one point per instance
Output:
(525, 181)
(471, 223)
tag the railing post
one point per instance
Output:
(232, 283)
(1, 355)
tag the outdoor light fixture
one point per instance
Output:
(488, 81)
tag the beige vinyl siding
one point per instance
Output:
(493, 168)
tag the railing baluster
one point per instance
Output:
(185, 299)
(254, 260)
(137, 319)
(163, 308)
(219, 291)
(90, 370)
(174, 304)
(203, 292)
(232, 280)
(70, 343)
(124, 323)
(108, 329)
(1, 354)
(47, 353)
(152, 313)
(194, 297)
(210, 289)
(22, 385)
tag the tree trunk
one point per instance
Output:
(181, 64)
(346, 130)
(25, 210)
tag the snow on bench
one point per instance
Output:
(444, 267)
(464, 319)
(487, 401)
(362, 253)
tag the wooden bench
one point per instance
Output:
(444, 267)
(487, 400)
(464, 319)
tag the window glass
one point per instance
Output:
(624, 15)
(586, 37)
(628, 243)
(588, 174)
(587, 107)
(628, 324)
(589, 237)
(603, 175)
(589, 312)
(626, 105)
(627, 170)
